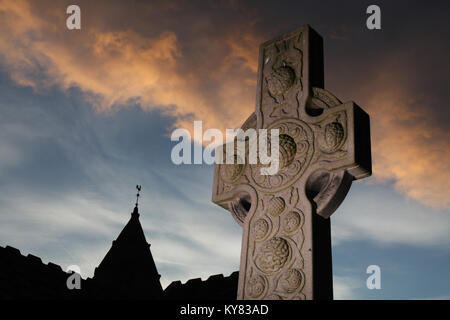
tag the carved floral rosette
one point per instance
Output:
(331, 134)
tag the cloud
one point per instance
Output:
(71, 189)
(400, 84)
(340, 32)
(10, 155)
(63, 228)
(189, 239)
(409, 147)
(114, 68)
(392, 221)
(210, 75)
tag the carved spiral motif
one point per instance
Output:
(288, 148)
(291, 280)
(333, 134)
(260, 228)
(272, 255)
(280, 80)
(296, 148)
(256, 286)
(276, 206)
(291, 221)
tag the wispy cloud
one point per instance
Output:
(408, 146)
(212, 77)
(71, 190)
(391, 221)
(116, 67)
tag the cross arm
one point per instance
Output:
(342, 154)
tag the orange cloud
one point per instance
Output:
(114, 68)
(247, 49)
(407, 147)
(211, 79)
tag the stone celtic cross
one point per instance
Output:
(323, 146)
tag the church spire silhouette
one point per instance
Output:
(129, 263)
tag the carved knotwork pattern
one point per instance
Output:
(288, 149)
(283, 68)
(260, 228)
(291, 280)
(295, 153)
(276, 206)
(279, 81)
(256, 286)
(272, 255)
(291, 222)
(332, 136)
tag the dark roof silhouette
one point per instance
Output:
(216, 287)
(128, 267)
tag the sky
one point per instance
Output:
(85, 115)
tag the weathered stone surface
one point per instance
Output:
(324, 146)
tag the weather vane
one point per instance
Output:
(138, 187)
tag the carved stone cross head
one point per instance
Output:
(323, 146)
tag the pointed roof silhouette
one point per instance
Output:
(133, 232)
(128, 269)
